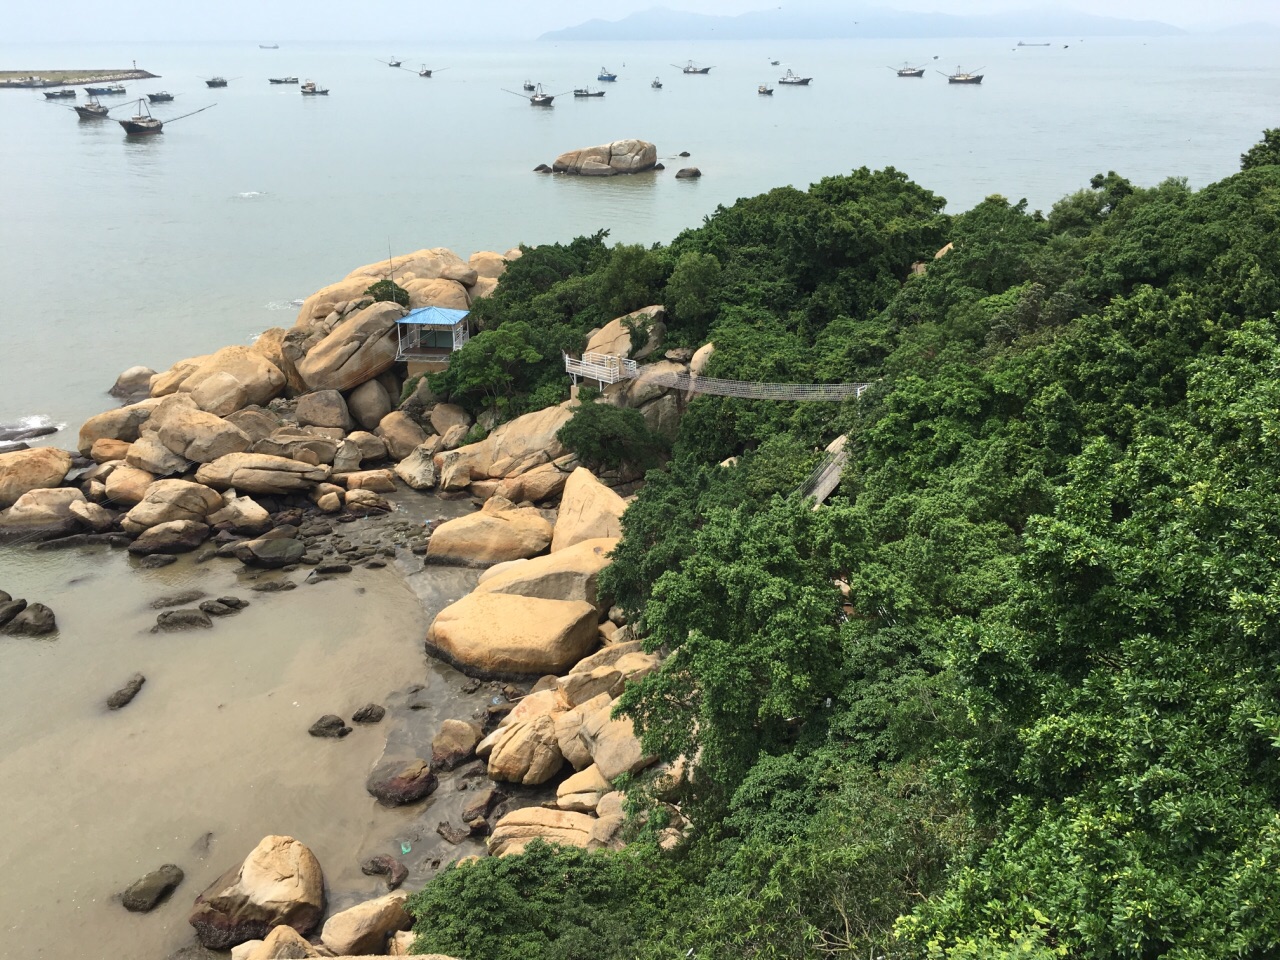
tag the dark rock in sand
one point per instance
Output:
(215, 609)
(270, 553)
(149, 892)
(386, 866)
(454, 744)
(36, 620)
(542, 168)
(235, 603)
(453, 834)
(683, 153)
(26, 433)
(329, 726)
(157, 560)
(274, 586)
(4, 597)
(172, 621)
(315, 528)
(659, 166)
(398, 782)
(334, 568)
(369, 713)
(375, 564)
(10, 609)
(175, 536)
(484, 803)
(177, 599)
(125, 695)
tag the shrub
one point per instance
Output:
(388, 290)
(608, 437)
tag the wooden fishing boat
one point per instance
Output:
(93, 110)
(282, 80)
(606, 76)
(530, 87)
(539, 97)
(691, 67)
(309, 89)
(393, 62)
(217, 82)
(587, 92)
(656, 84)
(164, 96)
(143, 123)
(764, 90)
(971, 77)
(113, 89)
(268, 46)
(68, 94)
(906, 70)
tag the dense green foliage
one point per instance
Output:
(387, 290)
(606, 437)
(1015, 692)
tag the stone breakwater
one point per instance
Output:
(260, 455)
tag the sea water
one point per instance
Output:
(119, 251)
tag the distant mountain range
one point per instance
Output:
(801, 23)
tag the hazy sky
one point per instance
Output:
(331, 20)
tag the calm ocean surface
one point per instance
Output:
(119, 251)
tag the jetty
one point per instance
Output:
(27, 79)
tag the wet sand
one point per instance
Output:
(213, 754)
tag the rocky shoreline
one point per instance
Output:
(273, 456)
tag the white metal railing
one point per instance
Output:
(604, 368)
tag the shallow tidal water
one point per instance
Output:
(213, 753)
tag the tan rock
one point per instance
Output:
(582, 686)
(496, 634)
(369, 403)
(44, 512)
(279, 883)
(483, 287)
(499, 531)
(570, 574)
(608, 159)
(542, 483)
(514, 442)
(401, 944)
(400, 433)
(645, 388)
(149, 454)
(614, 338)
(360, 347)
(220, 394)
(439, 292)
(372, 449)
(301, 445)
(323, 408)
(418, 469)
(321, 303)
(365, 500)
(242, 515)
(526, 752)
(454, 743)
(519, 828)
(171, 380)
(365, 928)
(106, 450)
(275, 346)
(198, 436)
(582, 791)
(379, 481)
(488, 264)
(256, 423)
(133, 383)
(282, 943)
(588, 511)
(128, 485)
(93, 517)
(605, 833)
(612, 744)
(447, 415)
(34, 469)
(259, 473)
(569, 725)
(122, 424)
(169, 500)
(427, 264)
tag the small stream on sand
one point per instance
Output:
(213, 754)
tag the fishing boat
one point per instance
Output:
(906, 70)
(774, 63)
(217, 82)
(764, 90)
(268, 46)
(282, 80)
(109, 90)
(393, 62)
(424, 72)
(791, 80)
(606, 76)
(309, 89)
(67, 94)
(529, 86)
(539, 97)
(1023, 44)
(691, 67)
(143, 123)
(964, 76)
(93, 110)
(163, 96)
(587, 92)
(656, 84)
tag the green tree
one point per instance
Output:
(387, 289)
(607, 437)
(1266, 152)
(486, 369)
(693, 293)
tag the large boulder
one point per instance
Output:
(173, 536)
(170, 500)
(487, 264)
(521, 827)
(279, 883)
(613, 745)
(364, 928)
(400, 433)
(324, 408)
(171, 380)
(454, 743)
(42, 513)
(544, 482)
(582, 791)
(190, 432)
(399, 782)
(360, 347)
(445, 416)
(569, 574)
(449, 294)
(283, 349)
(514, 447)
(321, 303)
(282, 943)
(232, 378)
(434, 263)
(298, 444)
(526, 751)
(134, 383)
(369, 403)
(500, 531)
(260, 473)
(418, 470)
(35, 469)
(501, 635)
(123, 424)
(270, 552)
(149, 454)
(242, 515)
(608, 159)
(128, 485)
(614, 338)
(588, 511)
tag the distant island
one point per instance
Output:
(801, 23)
